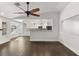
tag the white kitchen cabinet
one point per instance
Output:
(0, 24)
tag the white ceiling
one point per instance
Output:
(7, 9)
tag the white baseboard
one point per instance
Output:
(43, 40)
(4, 42)
(72, 49)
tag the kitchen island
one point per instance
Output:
(41, 35)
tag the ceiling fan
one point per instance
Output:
(28, 12)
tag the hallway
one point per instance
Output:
(21, 46)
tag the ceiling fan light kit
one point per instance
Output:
(28, 12)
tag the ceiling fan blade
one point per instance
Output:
(19, 13)
(17, 4)
(21, 8)
(35, 14)
(35, 10)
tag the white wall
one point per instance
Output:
(70, 35)
(70, 10)
(69, 28)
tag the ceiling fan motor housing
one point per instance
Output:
(28, 13)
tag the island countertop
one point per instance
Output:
(36, 29)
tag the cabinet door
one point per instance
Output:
(0, 25)
(4, 28)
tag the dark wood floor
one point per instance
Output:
(21, 46)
